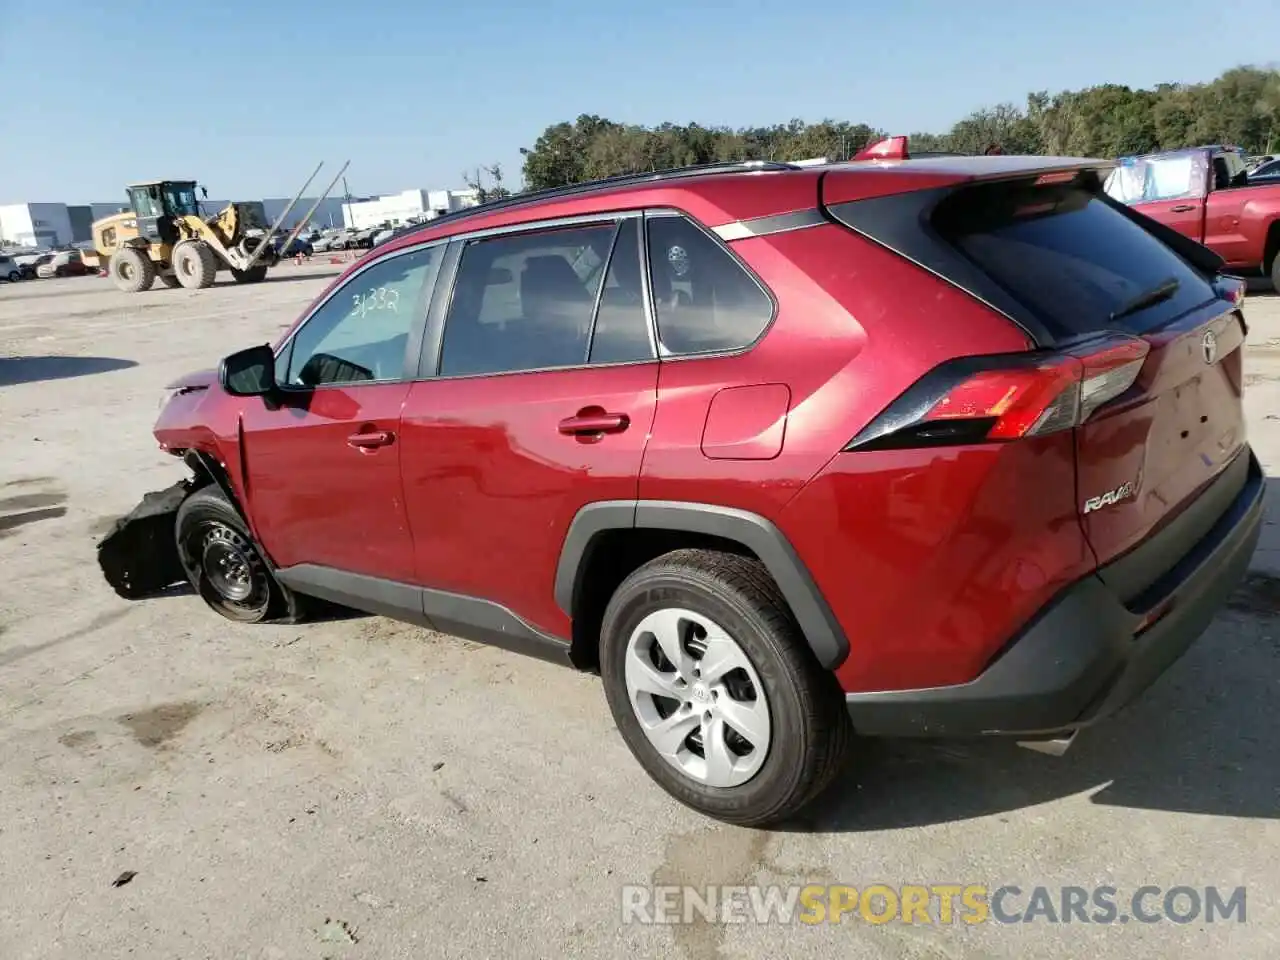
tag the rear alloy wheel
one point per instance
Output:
(224, 564)
(714, 689)
(194, 264)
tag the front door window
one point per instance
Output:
(360, 334)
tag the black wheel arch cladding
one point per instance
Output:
(762, 538)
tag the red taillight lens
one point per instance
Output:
(1019, 401)
(979, 400)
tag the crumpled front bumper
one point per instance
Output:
(139, 557)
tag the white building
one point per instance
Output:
(399, 208)
(328, 214)
(35, 225)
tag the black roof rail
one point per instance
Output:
(590, 186)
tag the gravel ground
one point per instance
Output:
(362, 788)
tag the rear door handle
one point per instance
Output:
(585, 424)
(370, 441)
(1183, 207)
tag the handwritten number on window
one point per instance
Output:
(375, 299)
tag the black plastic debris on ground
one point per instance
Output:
(139, 557)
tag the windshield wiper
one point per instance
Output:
(1148, 298)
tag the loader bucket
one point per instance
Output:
(139, 557)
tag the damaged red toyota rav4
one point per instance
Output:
(916, 447)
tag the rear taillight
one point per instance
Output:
(1001, 398)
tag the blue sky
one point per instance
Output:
(414, 92)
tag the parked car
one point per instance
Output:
(942, 447)
(383, 235)
(29, 265)
(9, 269)
(298, 247)
(1206, 194)
(328, 241)
(1265, 172)
(64, 263)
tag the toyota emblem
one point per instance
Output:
(1209, 346)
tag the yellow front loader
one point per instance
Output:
(165, 234)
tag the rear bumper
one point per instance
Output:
(1086, 655)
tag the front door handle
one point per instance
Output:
(593, 423)
(371, 441)
(1183, 208)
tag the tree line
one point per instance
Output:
(1241, 107)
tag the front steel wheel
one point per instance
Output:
(225, 566)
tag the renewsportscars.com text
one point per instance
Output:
(932, 904)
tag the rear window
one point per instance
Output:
(1068, 257)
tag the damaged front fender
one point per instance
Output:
(139, 557)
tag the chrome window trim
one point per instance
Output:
(660, 353)
(769, 225)
(551, 223)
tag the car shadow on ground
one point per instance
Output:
(1200, 740)
(15, 370)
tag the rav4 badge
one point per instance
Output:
(1111, 497)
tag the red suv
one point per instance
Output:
(949, 446)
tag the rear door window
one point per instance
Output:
(1069, 257)
(526, 301)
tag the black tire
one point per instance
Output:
(219, 556)
(131, 270)
(195, 264)
(169, 280)
(810, 730)
(255, 274)
(14, 276)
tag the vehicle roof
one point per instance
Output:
(155, 183)
(721, 180)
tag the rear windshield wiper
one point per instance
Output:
(1148, 298)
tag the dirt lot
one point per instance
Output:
(284, 791)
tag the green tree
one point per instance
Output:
(1241, 107)
(1004, 126)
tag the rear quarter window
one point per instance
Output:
(1068, 256)
(704, 300)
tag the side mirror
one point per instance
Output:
(249, 373)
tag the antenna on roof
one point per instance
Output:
(890, 148)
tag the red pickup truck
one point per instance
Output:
(1204, 193)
